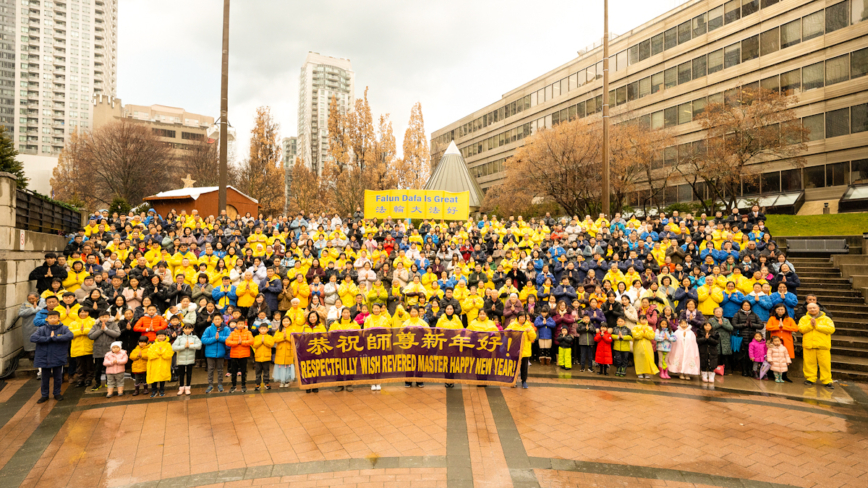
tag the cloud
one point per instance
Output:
(453, 57)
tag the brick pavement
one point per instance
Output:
(571, 432)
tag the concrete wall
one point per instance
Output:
(20, 252)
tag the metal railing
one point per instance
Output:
(35, 214)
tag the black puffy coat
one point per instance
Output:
(708, 350)
(746, 324)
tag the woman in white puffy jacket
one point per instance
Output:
(331, 291)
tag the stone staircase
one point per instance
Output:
(850, 342)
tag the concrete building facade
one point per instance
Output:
(65, 53)
(668, 69)
(322, 77)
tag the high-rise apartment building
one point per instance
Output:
(322, 77)
(667, 70)
(65, 53)
(290, 151)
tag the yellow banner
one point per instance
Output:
(417, 204)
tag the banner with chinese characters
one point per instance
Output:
(418, 354)
(417, 204)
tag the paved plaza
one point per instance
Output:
(565, 430)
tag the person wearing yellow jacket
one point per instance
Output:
(471, 305)
(68, 309)
(377, 294)
(643, 350)
(139, 357)
(262, 345)
(284, 350)
(710, 297)
(347, 292)
(817, 329)
(482, 323)
(399, 317)
(159, 363)
(528, 290)
(414, 291)
(246, 292)
(75, 277)
(301, 290)
(449, 319)
(81, 348)
(523, 324)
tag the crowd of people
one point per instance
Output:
(152, 297)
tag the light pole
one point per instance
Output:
(224, 110)
(605, 184)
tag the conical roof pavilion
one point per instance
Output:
(453, 175)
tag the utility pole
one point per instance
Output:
(224, 110)
(605, 186)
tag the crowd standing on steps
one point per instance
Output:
(157, 296)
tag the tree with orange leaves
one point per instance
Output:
(414, 168)
(261, 175)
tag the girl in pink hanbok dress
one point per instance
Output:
(684, 357)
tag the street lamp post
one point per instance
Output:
(224, 110)
(605, 184)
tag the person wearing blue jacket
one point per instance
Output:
(214, 339)
(270, 287)
(224, 295)
(541, 276)
(545, 327)
(760, 301)
(52, 352)
(556, 251)
(565, 292)
(732, 300)
(684, 293)
(788, 299)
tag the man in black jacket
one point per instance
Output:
(178, 290)
(802, 309)
(448, 299)
(46, 273)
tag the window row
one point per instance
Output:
(515, 134)
(489, 168)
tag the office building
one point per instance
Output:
(66, 52)
(322, 77)
(180, 130)
(668, 69)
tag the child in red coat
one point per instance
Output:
(604, 349)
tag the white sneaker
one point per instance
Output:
(379, 387)
(373, 387)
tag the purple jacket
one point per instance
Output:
(757, 351)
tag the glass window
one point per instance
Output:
(837, 69)
(621, 61)
(749, 48)
(859, 172)
(770, 182)
(748, 7)
(715, 18)
(731, 11)
(549, 92)
(671, 77)
(685, 193)
(836, 174)
(814, 124)
(858, 11)
(564, 86)
(812, 76)
(533, 101)
(657, 120)
(731, 96)
(772, 84)
(791, 82)
(644, 50)
(859, 63)
(812, 25)
(791, 180)
(574, 81)
(715, 61)
(684, 32)
(838, 122)
(815, 177)
(599, 71)
(591, 75)
(685, 113)
(670, 116)
(769, 3)
(670, 155)
(657, 44)
(644, 87)
(684, 73)
(699, 67)
(580, 109)
(656, 82)
(837, 17)
(859, 119)
(770, 41)
(632, 91)
(555, 89)
(613, 98)
(633, 55)
(749, 185)
(591, 106)
(699, 25)
(698, 106)
(791, 33)
(715, 98)
(670, 38)
(732, 55)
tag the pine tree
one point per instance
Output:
(8, 161)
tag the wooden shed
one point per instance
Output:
(205, 200)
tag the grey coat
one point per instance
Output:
(183, 355)
(102, 339)
(723, 329)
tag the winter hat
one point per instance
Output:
(117, 343)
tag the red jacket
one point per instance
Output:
(155, 323)
(604, 348)
(239, 342)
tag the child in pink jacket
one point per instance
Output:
(757, 353)
(778, 358)
(114, 362)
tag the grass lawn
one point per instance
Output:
(818, 225)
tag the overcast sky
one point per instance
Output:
(453, 56)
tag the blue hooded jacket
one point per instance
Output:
(51, 352)
(215, 348)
